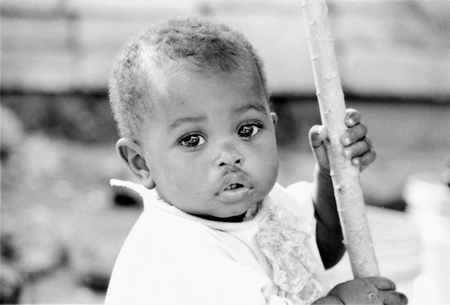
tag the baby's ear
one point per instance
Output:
(132, 153)
(274, 117)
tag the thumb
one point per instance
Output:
(317, 136)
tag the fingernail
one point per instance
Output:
(320, 130)
(347, 141)
(347, 153)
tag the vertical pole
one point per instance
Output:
(345, 176)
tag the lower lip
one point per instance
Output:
(234, 195)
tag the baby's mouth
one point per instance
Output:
(234, 192)
(233, 186)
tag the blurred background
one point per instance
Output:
(62, 225)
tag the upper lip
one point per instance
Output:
(236, 177)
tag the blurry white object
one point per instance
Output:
(428, 201)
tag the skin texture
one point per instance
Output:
(212, 132)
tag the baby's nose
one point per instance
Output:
(229, 157)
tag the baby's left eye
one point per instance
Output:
(248, 131)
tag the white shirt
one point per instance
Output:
(171, 257)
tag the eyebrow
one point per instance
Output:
(257, 107)
(182, 120)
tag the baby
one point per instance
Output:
(192, 105)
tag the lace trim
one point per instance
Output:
(281, 238)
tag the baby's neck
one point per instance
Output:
(237, 218)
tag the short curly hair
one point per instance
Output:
(196, 41)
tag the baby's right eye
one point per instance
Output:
(193, 140)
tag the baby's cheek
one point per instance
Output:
(269, 172)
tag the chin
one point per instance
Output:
(242, 209)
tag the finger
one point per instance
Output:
(317, 134)
(354, 134)
(357, 149)
(365, 160)
(392, 298)
(352, 117)
(382, 283)
(369, 142)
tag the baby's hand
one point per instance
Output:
(369, 290)
(357, 146)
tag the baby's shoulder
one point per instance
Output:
(299, 191)
(296, 197)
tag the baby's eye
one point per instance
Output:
(193, 140)
(249, 130)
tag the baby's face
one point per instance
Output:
(210, 145)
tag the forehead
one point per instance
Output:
(179, 82)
